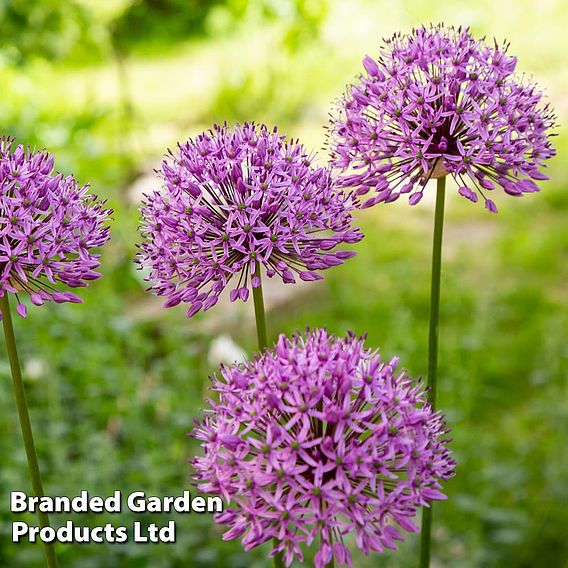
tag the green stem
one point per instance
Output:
(25, 420)
(260, 318)
(426, 533)
(259, 314)
(278, 559)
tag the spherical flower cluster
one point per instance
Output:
(438, 102)
(316, 439)
(48, 226)
(236, 200)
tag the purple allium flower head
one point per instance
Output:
(237, 199)
(318, 438)
(48, 226)
(438, 102)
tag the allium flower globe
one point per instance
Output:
(48, 228)
(236, 199)
(316, 439)
(438, 102)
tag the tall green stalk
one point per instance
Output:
(25, 424)
(426, 533)
(260, 317)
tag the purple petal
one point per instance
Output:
(371, 66)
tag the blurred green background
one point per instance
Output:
(114, 384)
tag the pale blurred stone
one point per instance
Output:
(224, 350)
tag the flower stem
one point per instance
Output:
(260, 317)
(259, 314)
(25, 420)
(278, 561)
(426, 534)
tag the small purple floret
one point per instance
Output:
(316, 439)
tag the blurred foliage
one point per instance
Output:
(161, 21)
(271, 86)
(50, 29)
(115, 395)
(302, 18)
(114, 384)
(145, 23)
